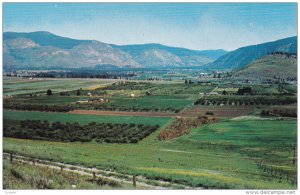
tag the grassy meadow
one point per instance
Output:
(200, 159)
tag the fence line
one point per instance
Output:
(277, 173)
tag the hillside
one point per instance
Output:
(44, 38)
(160, 55)
(241, 57)
(44, 50)
(270, 68)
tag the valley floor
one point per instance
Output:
(242, 149)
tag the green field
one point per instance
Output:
(209, 156)
(49, 100)
(167, 97)
(16, 86)
(267, 140)
(239, 153)
(150, 103)
(173, 88)
(289, 88)
(81, 118)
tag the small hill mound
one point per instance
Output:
(276, 67)
(239, 58)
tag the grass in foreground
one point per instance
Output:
(205, 158)
(270, 141)
(17, 175)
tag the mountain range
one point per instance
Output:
(46, 50)
(151, 55)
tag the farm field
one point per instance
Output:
(219, 111)
(143, 102)
(241, 149)
(246, 100)
(235, 168)
(146, 103)
(81, 118)
(15, 86)
(163, 97)
(258, 89)
(146, 96)
(122, 113)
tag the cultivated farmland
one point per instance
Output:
(171, 135)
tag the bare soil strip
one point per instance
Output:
(122, 113)
(219, 111)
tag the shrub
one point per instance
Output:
(49, 92)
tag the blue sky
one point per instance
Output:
(194, 25)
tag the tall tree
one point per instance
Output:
(78, 92)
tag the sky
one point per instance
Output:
(199, 26)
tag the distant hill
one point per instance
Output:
(270, 67)
(44, 38)
(45, 50)
(160, 55)
(239, 58)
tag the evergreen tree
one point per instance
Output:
(78, 92)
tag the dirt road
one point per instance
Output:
(141, 182)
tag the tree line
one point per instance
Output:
(113, 107)
(246, 100)
(38, 107)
